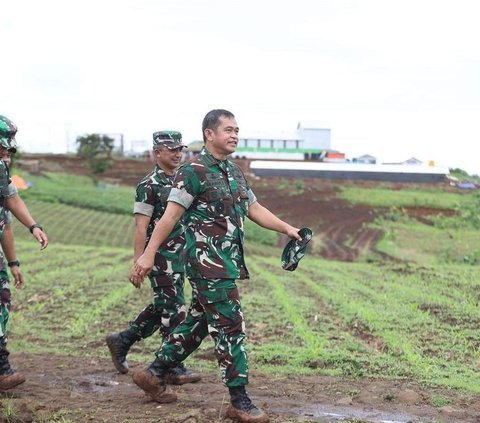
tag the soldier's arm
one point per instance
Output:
(8, 247)
(164, 226)
(16, 205)
(140, 235)
(265, 218)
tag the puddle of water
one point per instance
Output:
(324, 413)
(87, 383)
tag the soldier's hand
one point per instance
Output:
(143, 266)
(293, 232)
(135, 280)
(41, 237)
(17, 277)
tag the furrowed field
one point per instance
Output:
(413, 317)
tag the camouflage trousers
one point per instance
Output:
(216, 310)
(165, 312)
(4, 302)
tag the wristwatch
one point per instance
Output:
(13, 263)
(35, 225)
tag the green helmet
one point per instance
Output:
(7, 134)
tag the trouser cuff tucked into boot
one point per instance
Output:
(180, 374)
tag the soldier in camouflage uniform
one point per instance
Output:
(168, 275)
(9, 200)
(215, 197)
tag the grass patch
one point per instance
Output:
(420, 197)
(79, 191)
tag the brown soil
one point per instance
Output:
(340, 228)
(91, 390)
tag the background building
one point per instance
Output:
(307, 142)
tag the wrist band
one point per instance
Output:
(35, 225)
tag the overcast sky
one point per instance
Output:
(393, 79)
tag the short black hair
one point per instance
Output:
(212, 119)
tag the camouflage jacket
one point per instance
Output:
(151, 200)
(4, 193)
(216, 197)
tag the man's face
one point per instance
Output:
(167, 159)
(5, 155)
(224, 139)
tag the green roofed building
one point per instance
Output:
(307, 142)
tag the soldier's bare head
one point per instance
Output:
(212, 120)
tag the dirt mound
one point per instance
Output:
(341, 229)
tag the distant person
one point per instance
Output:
(215, 197)
(168, 277)
(10, 201)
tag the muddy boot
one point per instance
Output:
(119, 344)
(241, 408)
(152, 381)
(9, 378)
(180, 375)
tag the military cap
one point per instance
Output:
(169, 139)
(295, 250)
(7, 134)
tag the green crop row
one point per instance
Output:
(74, 225)
(80, 191)
(421, 197)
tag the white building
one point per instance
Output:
(306, 142)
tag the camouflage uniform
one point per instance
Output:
(167, 277)
(216, 197)
(7, 189)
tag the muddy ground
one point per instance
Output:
(92, 391)
(66, 389)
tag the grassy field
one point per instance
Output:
(416, 319)
(354, 319)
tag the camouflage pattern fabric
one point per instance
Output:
(169, 139)
(215, 309)
(151, 200)
(7, 134)
(4, 183)
(216, 197)
(4, 287)
(4, 301)
(166, 312)
(167, 277)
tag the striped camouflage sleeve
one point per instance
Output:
(186, 186)
(181, 196)
(144, 200)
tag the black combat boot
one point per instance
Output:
(152, 381)
(119, 344)
(242, 409)
(180, 374)
(9, 378)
